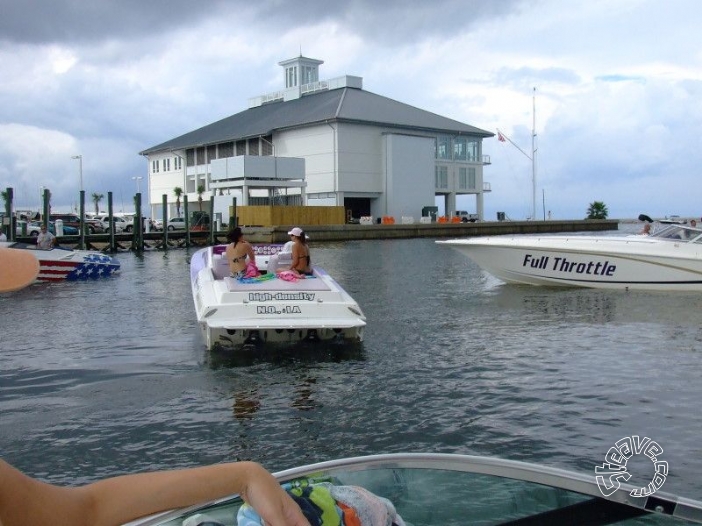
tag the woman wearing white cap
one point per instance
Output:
(300, 253)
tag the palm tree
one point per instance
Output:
(200, 191)
(597, 210)
(6, 198)
(178, 191)
(96, 199)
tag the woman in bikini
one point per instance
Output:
(301, 262)
(237, 251)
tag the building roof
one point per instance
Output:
(339, 105)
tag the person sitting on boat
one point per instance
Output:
(237, 252)
(300, 253)
(25, 501)
(646, 231)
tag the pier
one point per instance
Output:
(166, 240)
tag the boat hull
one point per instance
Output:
(626, 262)
(60, 264)
(231, 312)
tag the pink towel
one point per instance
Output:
(252, 270)
(288, 275)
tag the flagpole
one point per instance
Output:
(502, 138)
(533, 159)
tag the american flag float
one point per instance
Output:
(60, 264)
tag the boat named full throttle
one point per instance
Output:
(563, 264)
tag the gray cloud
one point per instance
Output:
(77, 21)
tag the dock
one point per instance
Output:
(329, 233)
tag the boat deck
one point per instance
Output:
(277, 284)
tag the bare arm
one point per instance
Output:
(114, 501)
(250, 252)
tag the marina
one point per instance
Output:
(452, 361)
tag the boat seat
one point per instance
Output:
(279, 261)
(220, 266)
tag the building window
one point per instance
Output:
(177, 163)
(226, 149)
(190, 157)
(473, 150)
(291, 77)
(309, 75)
(471, 179)
(443, 147)
(167, 165)
(462, 178)
(253, 146)
(241, 147)
(459, 149)
(201, 155)
(441, 176)
(211, 153)
(154, 167)
(267, 145)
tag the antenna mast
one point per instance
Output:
(533, 159)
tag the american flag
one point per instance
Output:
(500, 137)
(90, 266)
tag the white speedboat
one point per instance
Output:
(456, 490)
(669, 259)
(64, 264)
(269, 309)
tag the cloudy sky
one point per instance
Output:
(618, 88)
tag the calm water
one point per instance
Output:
(111, 377)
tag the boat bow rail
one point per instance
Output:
(450, 489)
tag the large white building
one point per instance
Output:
(324, 143)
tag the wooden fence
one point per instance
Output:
(289, 215)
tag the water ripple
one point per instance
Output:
(112, 377)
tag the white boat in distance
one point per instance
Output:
(436, 489)
(668, 260)
(232, 312)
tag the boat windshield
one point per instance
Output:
(454, 490)
(679, 233)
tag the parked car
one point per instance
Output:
(34, 227)
(68, 230)
(119, 222)
(157, 224)
(176, 223)
(93, 225)
(466, 217)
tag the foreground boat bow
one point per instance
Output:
(447, 490)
